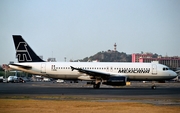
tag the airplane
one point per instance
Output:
(108, 73)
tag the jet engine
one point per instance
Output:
(116, 81)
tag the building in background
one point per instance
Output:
(172, 62)
(115, 47)
(51, 60)
(137, 56)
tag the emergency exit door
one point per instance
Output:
(154, 69)
(43, 68)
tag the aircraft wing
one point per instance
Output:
(22, 66)
(93, 73)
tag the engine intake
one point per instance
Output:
(116, 81)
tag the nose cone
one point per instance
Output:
(173, 74)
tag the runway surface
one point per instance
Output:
(165, 94)
(136, 89)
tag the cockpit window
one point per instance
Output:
(165, 68)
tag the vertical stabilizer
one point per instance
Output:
(24, 53)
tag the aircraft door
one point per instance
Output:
(43, 68)
(154, 69)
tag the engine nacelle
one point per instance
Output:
(116, 81)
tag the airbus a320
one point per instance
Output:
(108, 73)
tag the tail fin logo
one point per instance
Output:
(22, 52)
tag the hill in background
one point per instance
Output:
(108, 56)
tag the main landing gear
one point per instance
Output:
(153, 87)
(96, 85)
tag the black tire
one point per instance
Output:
(153, 87)
(96, 86)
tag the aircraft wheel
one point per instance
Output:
(153, 87)
(96, 86)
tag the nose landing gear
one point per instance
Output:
(153, 85)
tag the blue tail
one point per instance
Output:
(24, 53)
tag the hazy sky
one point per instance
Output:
(79, 28)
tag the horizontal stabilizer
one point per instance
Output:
(5, 67)
(22, 66)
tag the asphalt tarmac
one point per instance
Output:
(170, 90)
(137, 91)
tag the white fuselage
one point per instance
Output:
(133, 71)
